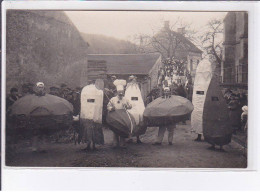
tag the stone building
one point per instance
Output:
(43, 46)
(234, 69)
(144, 66)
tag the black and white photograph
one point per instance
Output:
(142, 89)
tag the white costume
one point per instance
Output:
(133, 94)
(91, 103)
(201, 84)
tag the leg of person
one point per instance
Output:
(161, 132)
(129, 140)
(115, 140)
(198, 138)
(35, 140)
(138, 139)
(122, 142)
(170, 129)
(94, 146)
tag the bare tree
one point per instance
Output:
(168, 40)
(211, 40)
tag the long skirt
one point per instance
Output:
(91, 132)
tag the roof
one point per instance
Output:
(188, 44)
(127, 63)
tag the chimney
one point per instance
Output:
(166, 25)
(181, 30)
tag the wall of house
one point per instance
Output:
(43, 46)
(234, 67)
(153, 73)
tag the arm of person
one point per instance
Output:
(127, 104)
(110, 106)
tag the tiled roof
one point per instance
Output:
(127, 63)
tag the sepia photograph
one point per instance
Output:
(157, 89)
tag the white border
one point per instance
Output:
(143, 178)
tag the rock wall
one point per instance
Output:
(43, 46)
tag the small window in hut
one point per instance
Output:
(91, 100)
(214, 98)
(200, 92)
(134, 98)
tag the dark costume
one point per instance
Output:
(216, 123)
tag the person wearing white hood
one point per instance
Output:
(116, 103)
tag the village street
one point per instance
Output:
(184, 153)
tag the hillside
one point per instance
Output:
(100, 44)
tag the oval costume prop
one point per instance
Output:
(133, 94)
(121, 122)
(91, 115)
(47, 113)
(166, 111)
(217, 129)
(201, 85)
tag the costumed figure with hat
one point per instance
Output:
(118, 119)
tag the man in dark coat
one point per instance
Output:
(54, 91)
(12, 97)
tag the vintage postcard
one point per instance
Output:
(126, 89)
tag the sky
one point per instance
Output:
(125, 25)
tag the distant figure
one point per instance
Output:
(234, 113)
(244, 117)
(27, 89)
(109, 85)
(180, 90)
(62, 92)
(12, 97)
(54, 91)
(40, 89)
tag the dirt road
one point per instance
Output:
(184, 153)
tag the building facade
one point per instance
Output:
(234, 68)
(144, 66)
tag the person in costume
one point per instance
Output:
(133, 94)
(36, 140)
(116, 103)
(163, 128)
(91, 116)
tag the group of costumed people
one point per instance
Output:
(119, 106)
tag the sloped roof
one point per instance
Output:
(127, 63)
(187, 45)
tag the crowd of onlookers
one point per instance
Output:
(71, 95)
(172, 79)
(238, 110)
